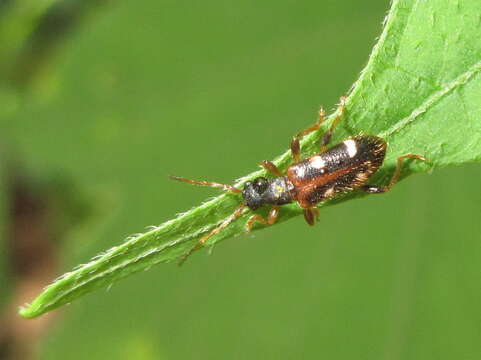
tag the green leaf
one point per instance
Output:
(420, 91)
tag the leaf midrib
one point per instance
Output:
(459, 81)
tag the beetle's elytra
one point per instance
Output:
(342, 168)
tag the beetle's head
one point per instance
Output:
(254, 192)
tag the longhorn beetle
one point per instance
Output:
(342, 168)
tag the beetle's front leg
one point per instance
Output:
(271, 218)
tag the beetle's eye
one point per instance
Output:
(260, 185)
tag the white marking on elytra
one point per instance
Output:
(351, 147)
(300, 170)
(318, 162)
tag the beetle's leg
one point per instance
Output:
(271, 218)
(340, 114)
(236, 214)
(311, 215)
(225, 187)
(295, 145)
(269, 166)
(375, 189)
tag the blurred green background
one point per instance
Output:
(135, 91)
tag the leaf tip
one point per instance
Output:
(28, 311)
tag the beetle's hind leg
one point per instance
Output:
(375, 189)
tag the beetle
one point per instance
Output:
(342, 168)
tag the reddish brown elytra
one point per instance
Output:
(342, 168)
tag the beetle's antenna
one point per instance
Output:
(224, 187)
(236, 214)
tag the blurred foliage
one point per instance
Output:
(140, 92)
(4, 265)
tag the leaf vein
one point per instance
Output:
(460, 81)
